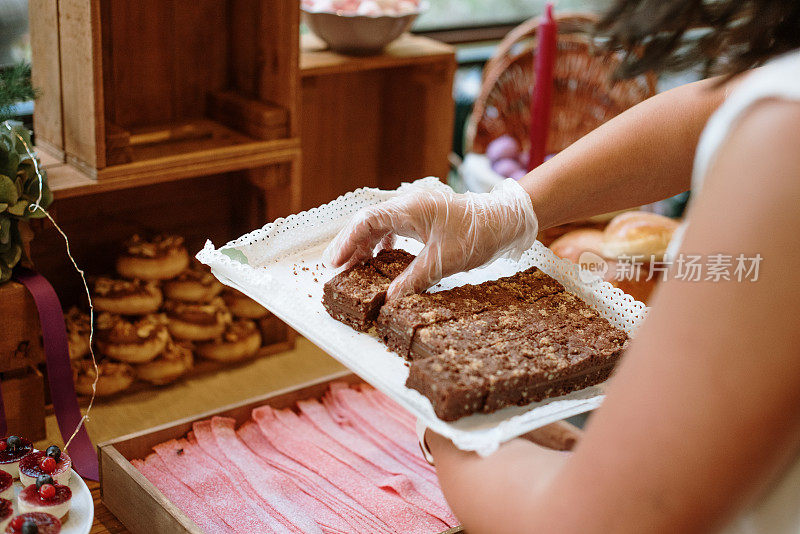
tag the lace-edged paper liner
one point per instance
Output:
(280, 266)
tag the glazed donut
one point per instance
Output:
(241, 340)
(197, 322)
(161, 258)
(194, 284)
(243, 306)
(131, 341)
(172, 363)
(78, 326)
(114, 377)
(126, 297)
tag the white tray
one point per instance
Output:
(81, 509)
(280, 266)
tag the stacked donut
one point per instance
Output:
(152, 320)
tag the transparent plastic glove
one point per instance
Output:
(460, 232)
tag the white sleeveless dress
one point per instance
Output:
(778, 511)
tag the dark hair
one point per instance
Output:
(722, 36)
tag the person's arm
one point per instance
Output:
(704, 410)
(643, 155)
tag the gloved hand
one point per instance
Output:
(460, 232)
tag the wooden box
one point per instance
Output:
(139, 505)
(374, 121)
(23, 399)
(130, 88)
(20, 333)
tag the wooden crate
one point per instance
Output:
(132, 88)
(20, 333)
(139, 505)
(23, 399)
(374, 121)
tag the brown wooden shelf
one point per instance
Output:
(317, 60)
(67, 181)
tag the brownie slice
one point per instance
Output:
(399, 320)
(390, 263)
(355, 295)
(460, 383)
(513, 356)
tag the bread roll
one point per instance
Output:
(638, 233)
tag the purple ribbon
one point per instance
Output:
(59, 372)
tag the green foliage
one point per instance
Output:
(19, 191)
(15, 87)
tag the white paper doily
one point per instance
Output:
(280, 266)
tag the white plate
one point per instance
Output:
(81, 511)
(280, 267)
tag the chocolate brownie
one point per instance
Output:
(517, 368)
(355, 295)
(513, 355)
(399, 320)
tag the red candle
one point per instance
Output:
(543, 86)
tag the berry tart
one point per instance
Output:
(34, 523)
(126, 297)
(197, 322)
(172, 363)
(6, 513)
(6, 486)
(12, 450)
(243, 306)
(161, 258)
(51, 462)
(78, 327)
(136, 341)
(195, 284)
(45, 496)
(241, 340)
(114, 377)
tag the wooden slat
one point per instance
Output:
(81, 85)
(46, 74)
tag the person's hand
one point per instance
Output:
(460, 232)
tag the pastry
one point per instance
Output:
(12, 450)
(51, 462)
(240, 305)
(6, 512)
(638, 233)
(197, 322)
(571, 245)
(161, 258)
(78, 327)
(6, 486)
(37, 522)
(45, 496)
(241, 340)
(169, 365)
(126, 297)
(194, 284)
(137, 341)
(114, 377)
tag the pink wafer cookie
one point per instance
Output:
(178, 493)
(264, 493)
(261, 475)
(387, 506)
(314, 413)
(360, 519)
(213, 487)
